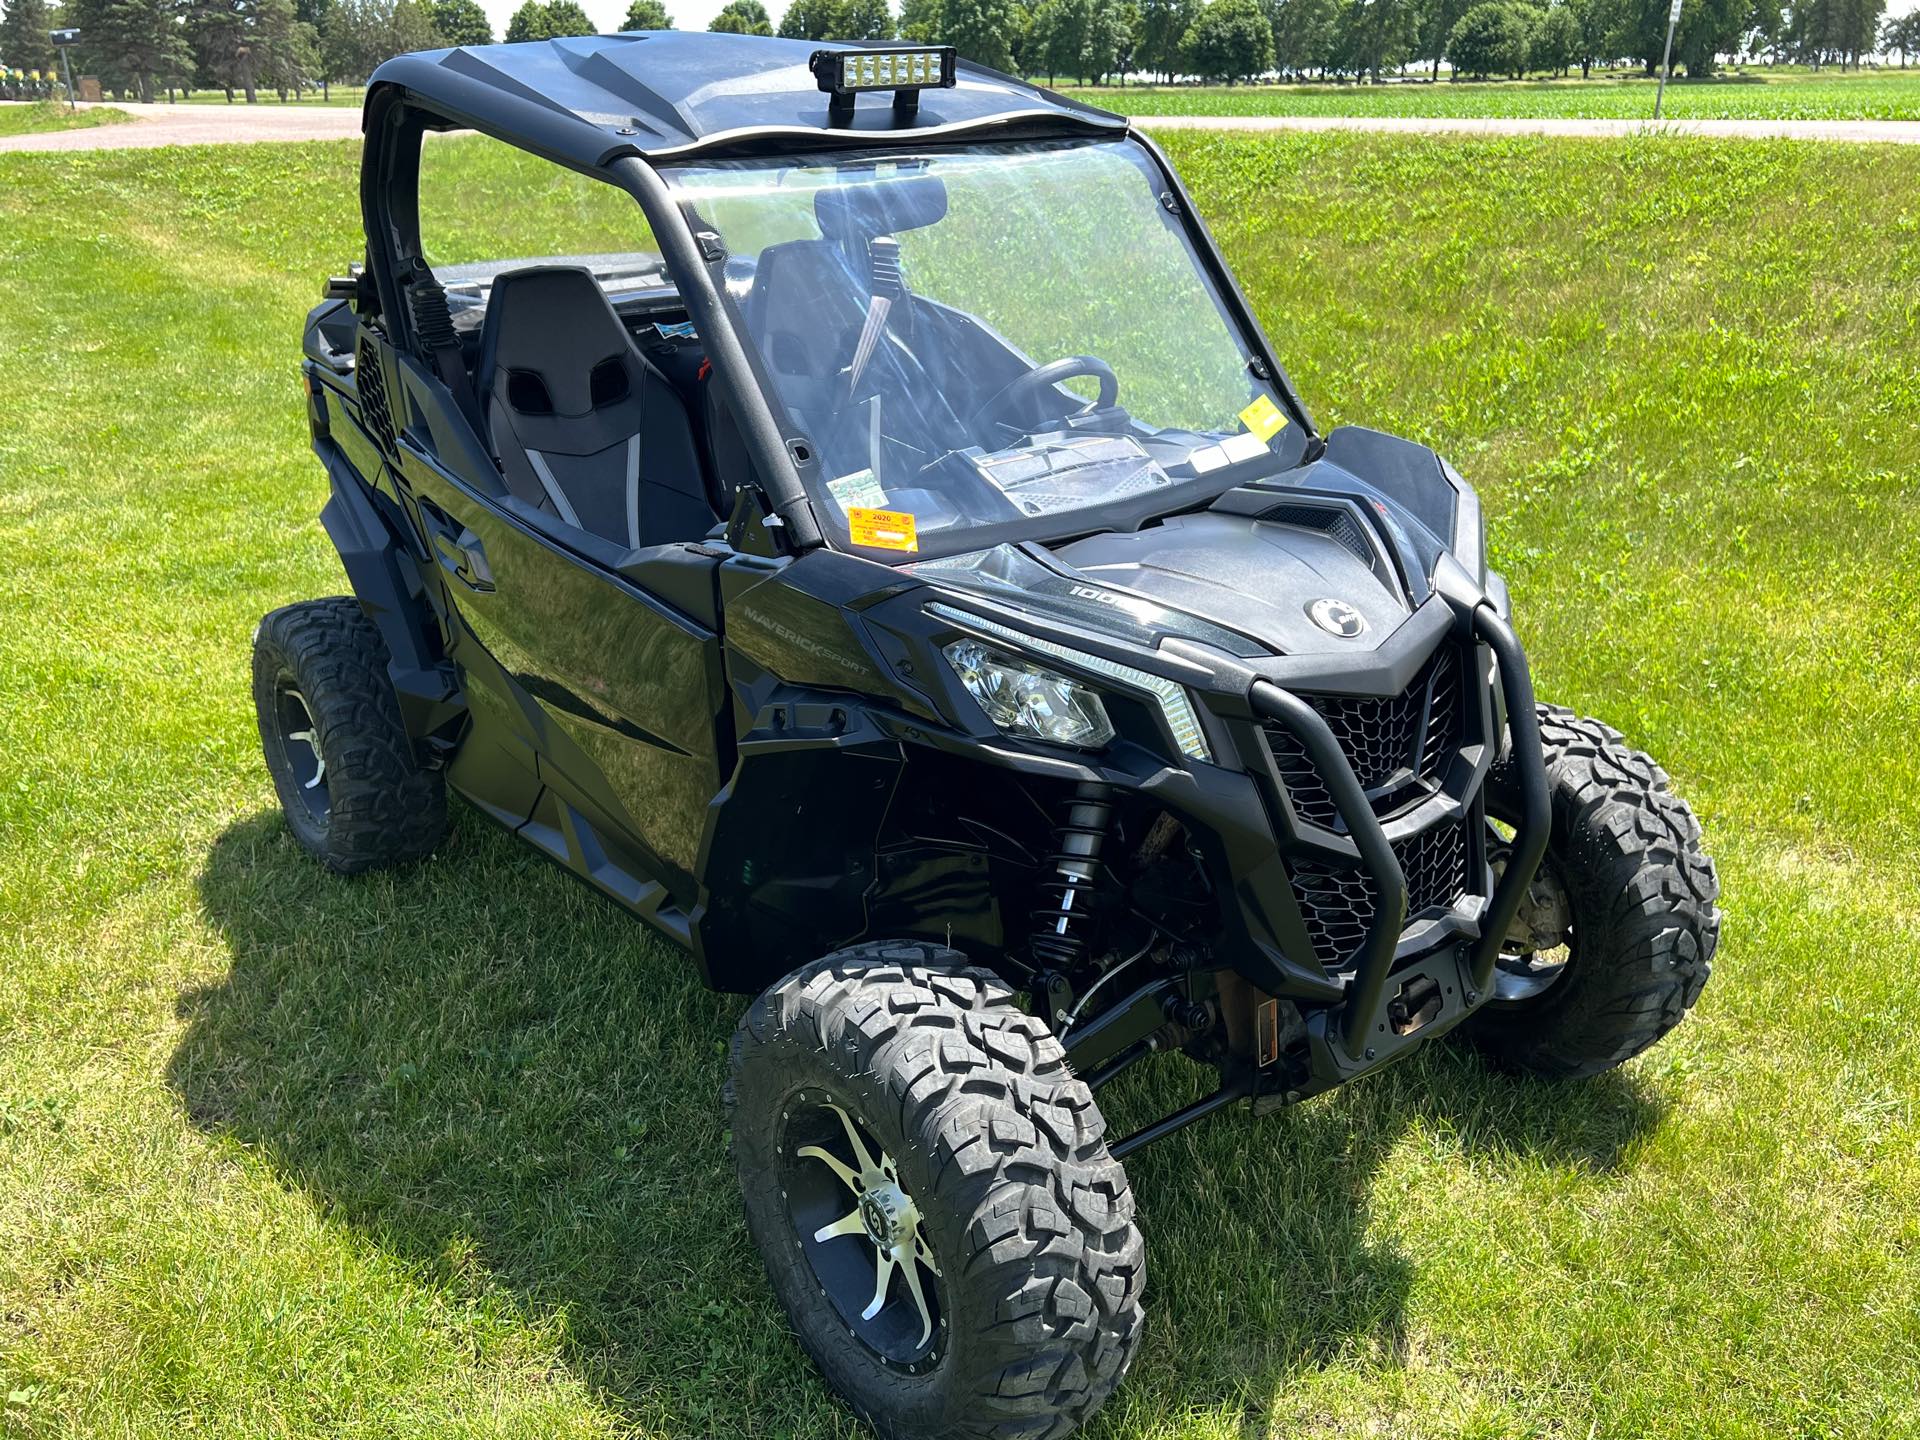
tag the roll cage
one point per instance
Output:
(774, 513)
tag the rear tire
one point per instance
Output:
(341, 761)
(1627, 884)
(1035, 1265)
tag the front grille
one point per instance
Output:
(1390, 741)
(1337, 900)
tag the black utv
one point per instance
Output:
(877, 546)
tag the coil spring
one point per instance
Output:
(1071, 880)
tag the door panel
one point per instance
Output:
(619, 693)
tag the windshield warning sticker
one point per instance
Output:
(1263, 418)
(882, 529)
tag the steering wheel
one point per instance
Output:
(1029, 386)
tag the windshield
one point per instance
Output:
(1008, 343)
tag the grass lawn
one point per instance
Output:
(440, 1153)
(29, 118)
(1796, 95)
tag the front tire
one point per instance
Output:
(342, 763)
(1615, 940)
(1014, 1308)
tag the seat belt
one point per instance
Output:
(633, 490)
(883, 261)
(433, 332)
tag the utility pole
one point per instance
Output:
(61, 40)
(1666, 58)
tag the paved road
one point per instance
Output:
(223, 124)
(155, 125)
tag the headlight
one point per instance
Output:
(1029, 700)
(1175, 704)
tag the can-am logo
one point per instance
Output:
(1337, 617)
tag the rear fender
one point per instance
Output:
(387, 583)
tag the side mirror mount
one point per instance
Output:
(354, 287)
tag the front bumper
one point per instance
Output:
(1400, 988)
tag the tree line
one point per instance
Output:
(1240, 40)
(140, 48)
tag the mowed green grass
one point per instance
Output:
(1795, 95)
(23, 119)
(440, 1153)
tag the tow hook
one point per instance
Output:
(1415, 1005)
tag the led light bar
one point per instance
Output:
(905, 70)
(1176, 706)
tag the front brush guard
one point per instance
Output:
(1355, 1034)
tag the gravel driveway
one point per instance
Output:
(155, 125)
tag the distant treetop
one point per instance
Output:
(743, 17)
(647, 15)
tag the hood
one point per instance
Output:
(1318, 586)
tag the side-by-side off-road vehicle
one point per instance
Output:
(868, 537)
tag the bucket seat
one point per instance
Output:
(585, 428)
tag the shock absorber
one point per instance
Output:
(1071, 880)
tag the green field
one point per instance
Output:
(440, 1153)
(30, 119)
(1796, 95)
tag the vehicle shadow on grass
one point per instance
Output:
(503, 1080)
(1264, 1260)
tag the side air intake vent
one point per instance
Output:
(371, 382)
(1335, 521)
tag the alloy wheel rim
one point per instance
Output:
(862, 1234)
(299, 737)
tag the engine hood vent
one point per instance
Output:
(1331, 519)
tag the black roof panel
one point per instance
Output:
(589, 100)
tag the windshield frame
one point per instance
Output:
(1124, 513)
(775, 515)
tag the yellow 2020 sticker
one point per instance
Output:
(1263, 418)
(882, 529)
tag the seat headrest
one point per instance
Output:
(551, 332)
(880, 207)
